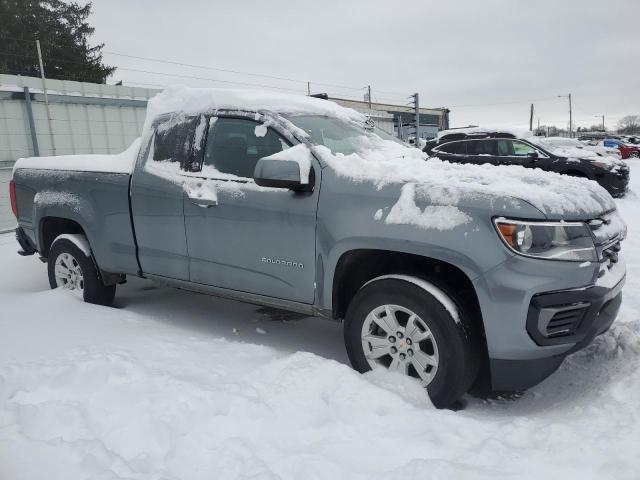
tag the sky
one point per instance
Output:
(486, 61)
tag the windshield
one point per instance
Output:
(338, 135)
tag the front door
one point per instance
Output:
(515, 152)
(242, 236)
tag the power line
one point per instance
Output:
(504, 103)
(238, 72)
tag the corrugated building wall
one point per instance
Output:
(83, 117)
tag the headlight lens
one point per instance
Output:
(604, 165)
(549, 240)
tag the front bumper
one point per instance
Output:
(573, 317)
(536, 313)
(617, 184)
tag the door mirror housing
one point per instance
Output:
(279, 174)
(532, 155)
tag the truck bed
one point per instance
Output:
(52, 190)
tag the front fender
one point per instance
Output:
(472, 267)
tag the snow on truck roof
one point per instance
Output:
(190, 100)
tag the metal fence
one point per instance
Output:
(79, 118)
(7, 220)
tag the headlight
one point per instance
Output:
(604, 165)
(571, 241)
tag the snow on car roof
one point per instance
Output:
(188, 100)
(520, 132)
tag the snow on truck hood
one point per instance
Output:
(447, 184)
(118, 163)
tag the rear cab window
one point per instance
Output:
(173, 140)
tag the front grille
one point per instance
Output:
(608, 231)
(611, 253)
(566, 321)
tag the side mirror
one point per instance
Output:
(290, 168)
(532, 155)
(278, 174)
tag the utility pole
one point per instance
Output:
(570, 119)
(538, 129)
(416, 106)
(369, 95)
(308, 88)
(531, 119)
(46, 98)
(570, 114)
(603, 129)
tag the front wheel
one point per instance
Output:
(71, 269)
(412, 327)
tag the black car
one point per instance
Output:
(499, 148)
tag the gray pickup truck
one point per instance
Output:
(465, 277)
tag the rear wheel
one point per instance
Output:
(71, 269)
(634, 155)
(396, 324)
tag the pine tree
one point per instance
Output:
(63, 33)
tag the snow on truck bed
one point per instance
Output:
(176, 385)
(118, 163)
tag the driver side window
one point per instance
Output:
(521, 149)
(514, 148)
(234, 145)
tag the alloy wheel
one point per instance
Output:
(68, 274)
(398, 339)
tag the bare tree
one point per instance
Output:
(629, 124)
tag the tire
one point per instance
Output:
(85, 281)
(452, 344)
(634, 155)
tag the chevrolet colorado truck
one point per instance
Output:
(462, 276)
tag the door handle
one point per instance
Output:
(203, 202)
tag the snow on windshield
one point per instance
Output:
(339, 136)
(574, 149)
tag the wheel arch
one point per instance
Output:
(574, 172)
(50, 227)
(355, 268)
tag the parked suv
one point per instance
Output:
(456, 275)
(503, 148)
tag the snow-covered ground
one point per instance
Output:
(174, 385)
